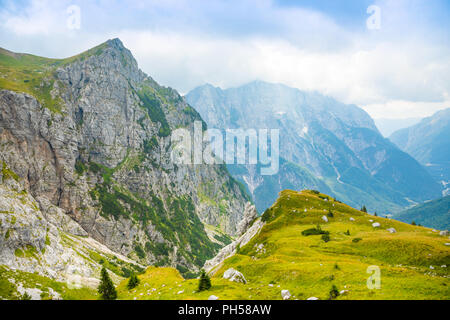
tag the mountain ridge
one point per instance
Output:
(337, 143)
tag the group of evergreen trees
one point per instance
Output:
(107, 290)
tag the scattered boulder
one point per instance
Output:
(444, 266)
(376, 225)
(352, 219)
(343, 292)
(312, 298)
(234, 275)
(213, 297)
(370, 220)
(324, 218)
(285, 294)
(392, 230)
(443, 233)
(180, 292)
(447, 243)
(270, 284)
(431, 267)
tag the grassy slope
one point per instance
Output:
(8, 289)
(306, 265)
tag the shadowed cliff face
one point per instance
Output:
(92, 135)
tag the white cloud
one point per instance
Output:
(364, 75)
(41, 17)
(400, 109)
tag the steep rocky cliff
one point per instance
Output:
(90, 135)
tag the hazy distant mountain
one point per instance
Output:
(432, 214)
(389, 126)
(337, 143)
(429, 142)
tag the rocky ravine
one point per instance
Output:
(94, 142)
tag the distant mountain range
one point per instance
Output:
(324, 144)
(429, 143)
(432, 214)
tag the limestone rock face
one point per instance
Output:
(103, 160)
(32, 243)
(250, 214)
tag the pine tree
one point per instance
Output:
(106, 288)
(330, 214)
(334, 292)
(204, 282)
(133, 282)
(413, 223)
(364, 209)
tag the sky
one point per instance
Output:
(390, 57)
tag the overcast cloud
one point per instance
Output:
(399, 71)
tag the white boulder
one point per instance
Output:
(343, 292)
(352, 219)
(324, 218)
(285, 294)
(443, 233)
(392, 230)
(213, 297)
(312, 298)
(376, 225)
(234, 275)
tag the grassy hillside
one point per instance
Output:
(413, 261)
(432, 214)
(308, 266)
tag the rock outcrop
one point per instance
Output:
(234, 275)
(211, 266)
(35, 242)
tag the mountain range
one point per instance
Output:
(88, 181)
(429, 143)
(324, 144)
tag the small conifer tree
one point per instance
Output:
(204, 281)
(133, 282)
(106, 287)
(326, 237)
(334, 292)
